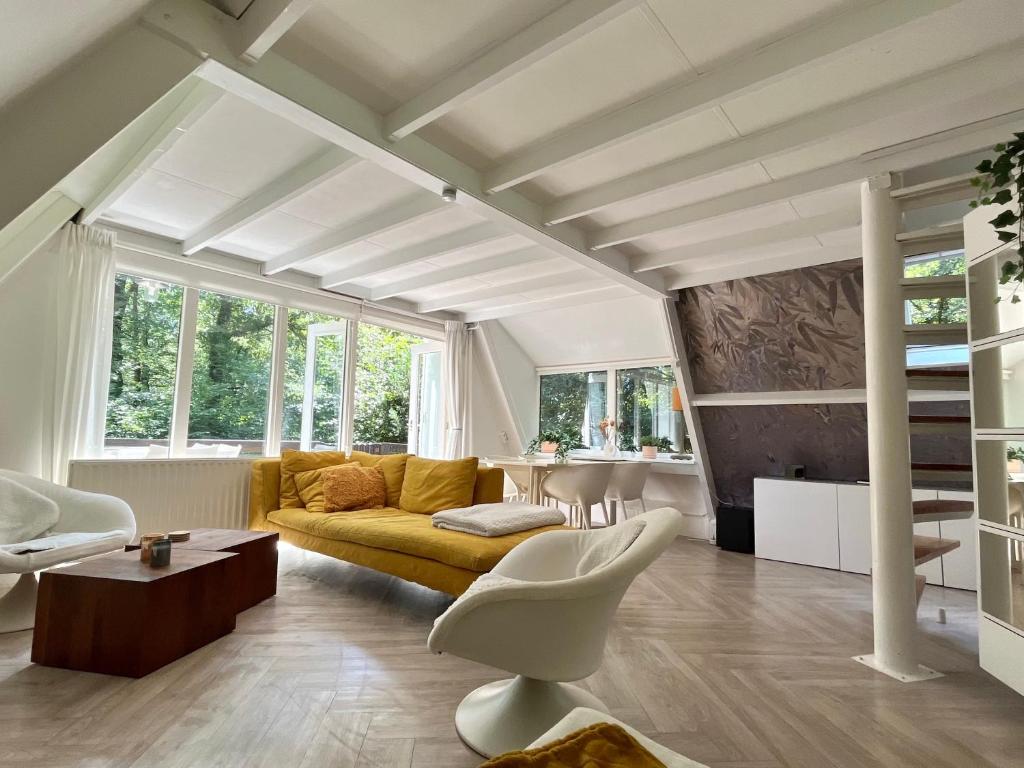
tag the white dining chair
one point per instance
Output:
(581, 486)
(626, 484)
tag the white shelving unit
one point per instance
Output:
(996, 334)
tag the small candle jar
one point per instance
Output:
(146, 545)
(161, 553)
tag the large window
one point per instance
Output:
(383, 381)
(929, 310)
(314, 381)
(231, 373)
(573, 404)
(147, 316)
(639, 401)
(644, 398)
(251, 378)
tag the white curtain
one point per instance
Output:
(455, 384)
(82, 260)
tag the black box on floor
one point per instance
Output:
(735, 529)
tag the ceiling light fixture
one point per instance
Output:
(448, 194)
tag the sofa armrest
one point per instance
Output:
(490, 485)
(264, 491)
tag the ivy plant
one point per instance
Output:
(1001, 181)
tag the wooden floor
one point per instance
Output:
(727, 659)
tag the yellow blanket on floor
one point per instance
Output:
(601, 745)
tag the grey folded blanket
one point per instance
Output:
(497, 519)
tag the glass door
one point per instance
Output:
(425, 405)
(324, 390)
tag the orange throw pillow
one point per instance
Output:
(351, 487)
(602, 745)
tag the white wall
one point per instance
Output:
(25, 365)
(491, 428)
(622, 329)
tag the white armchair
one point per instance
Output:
(88, 524)
(543, 613)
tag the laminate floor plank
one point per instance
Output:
(736, 662)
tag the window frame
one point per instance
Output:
(611, 369)
(185, 364)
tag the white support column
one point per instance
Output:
(183, 373)
(275, 398)
(892, 522)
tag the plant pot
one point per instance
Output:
(649, 451)
(1015, 466)
(548, 447)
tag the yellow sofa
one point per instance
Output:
(391, 540)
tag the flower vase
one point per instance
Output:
(610, 448)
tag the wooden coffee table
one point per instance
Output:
(117, 615)
(255, 576)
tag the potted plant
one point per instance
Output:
(546, 441)
(550, 441)
(649, 445)
(1015, 460)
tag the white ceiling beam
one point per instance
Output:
(753, 265)
(541, 305)
(558, 29)
(780, 233)
(196, 101)
(438, 246)
(910, 95)
(285, 187)
(574, 288)
(572, 275)
(378, 223)
(264, 22)
(459, 272)
(812, 46)
(939, 146)
(291, 92)
(947, 190)
(21, 238)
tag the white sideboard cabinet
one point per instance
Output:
(828, 525)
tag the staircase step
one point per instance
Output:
(939, 378)
(934, 425)
(946, 237)
(927, 548)
(940, 287)
(935, 334)
(933, 510)
(947, 472)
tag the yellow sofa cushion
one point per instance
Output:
(433, 485)
(310, 486)
(406, 532)
(392, 465)
(351, 486)
(293, 462)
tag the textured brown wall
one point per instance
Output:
(797, 330)
(794, 330)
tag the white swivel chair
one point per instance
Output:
(543, 614)
(581, 486)
(626, 484)
(87, 524)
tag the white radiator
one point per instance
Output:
(171, 494)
